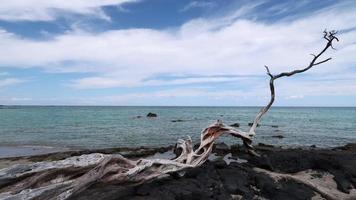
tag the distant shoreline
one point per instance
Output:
(174, 106)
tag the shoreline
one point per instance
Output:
(19, 151)
(27, 150)
(232, 173)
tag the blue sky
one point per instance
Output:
(174, 52)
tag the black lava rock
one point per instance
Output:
(151, 115)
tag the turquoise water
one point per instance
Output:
(101, 127)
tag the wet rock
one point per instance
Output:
(278, 136)
(264, 145)
(177, 120)
(251, 123)
(150, 114)
(217, 180)
(196, 146)
(177, 151)
(274, 126)
(221, 148)
(235, 125)
(349, 147)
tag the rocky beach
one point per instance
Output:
(232, 173)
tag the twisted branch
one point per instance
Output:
(330, 37)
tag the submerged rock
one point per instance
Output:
(177, 120)
(235, 125)
(251, 123)
(150, 114)
(278, 136)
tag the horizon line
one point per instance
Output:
(307, 106)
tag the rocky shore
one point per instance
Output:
(231, 173)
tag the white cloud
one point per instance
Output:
(110, 82)
(48, 10)
(228, 45)
(9, 82)
(197, 4)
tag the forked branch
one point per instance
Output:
(330, 37)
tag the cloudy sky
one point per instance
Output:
(174, 52)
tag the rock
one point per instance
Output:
(221, 148)
(264, 145)
(177, 151)
(236, 197)
(313, 146)
(250, 124)
(349, 147)
(274, 126)
(196, 146)
(217, 180)
(138, 117)
(177, 120)
(235, 125)
(278, 136)
(151, 114)
(236, 148)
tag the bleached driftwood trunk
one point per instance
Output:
(64, 178)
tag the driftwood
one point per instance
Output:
(64, 178)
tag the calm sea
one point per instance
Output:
(101, 127)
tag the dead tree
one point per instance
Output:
(64, 178)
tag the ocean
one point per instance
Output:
(115, 126)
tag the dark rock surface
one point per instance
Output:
(278, 136)
(221, 148)
(178, 120)
(150, 114)
(250, 124)
(218, 180)
(235, 125)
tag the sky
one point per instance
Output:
(174, 52)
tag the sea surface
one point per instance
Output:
(110, 126)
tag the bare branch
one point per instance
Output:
(318, 63)
(329, 37)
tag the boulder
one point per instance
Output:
(150, 114)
